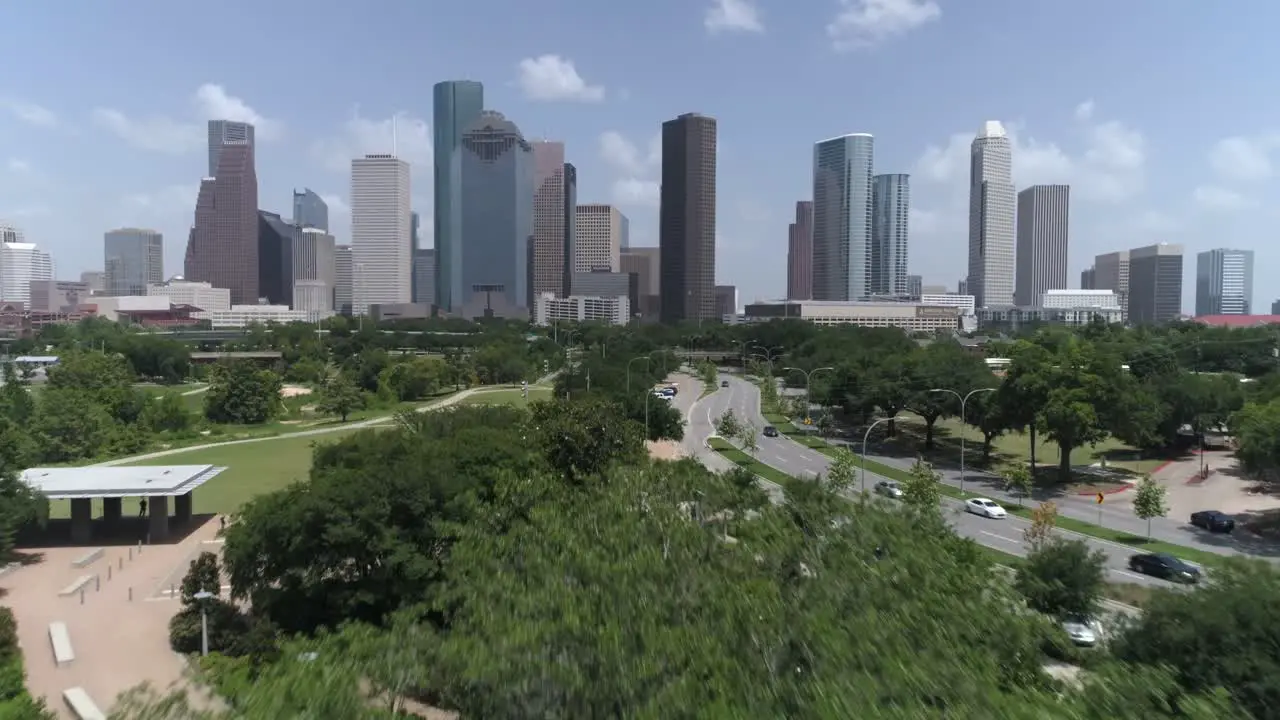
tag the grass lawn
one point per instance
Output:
(507, 397)
(746, 462)
(193, 402)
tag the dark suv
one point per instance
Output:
(1213, 521)
(770, 431)
(1166, 567)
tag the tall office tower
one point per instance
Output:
(96, 280)
(222, 248)
(424, 276)
(547, 273)
(1088, 279)
(1111, 272)
(991, 217)
(687, 219)
(890, 206)
(133, 258)
(413, 256)
(10, 233)
(380, 221)
(915, 286)
(1155, 284)
(570, 213)
(1275, 307)
(456, 105)
(20, 264)
(310, 210)
(726, 300)
(1224, 282)
(800, 253)
(276, 238)
(644, 264)
(497, 183)
(1043, 212)
(625, 240)
(598, 245)
(343, 279)
(313, 270)
(842, 217)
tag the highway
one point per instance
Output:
(790, 457)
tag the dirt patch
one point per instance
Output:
(664, 450)
(289, 391)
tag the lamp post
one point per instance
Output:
(964, 400)
(742, 350)
(202, 596)
(808, 385)
(865, 436)
(647, 391)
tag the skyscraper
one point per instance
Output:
(313, 270)
(344, 279)
(380, 222)
(424, 276)
(1224, 282)
(890, 207)
(1111, 272)
(497, 191)
(456, 105)
(842, 217)
(20, 264)
(310, 210)
(991, 217)
(276, 238)
(1155, 284)
(413, 257)
(1043, 212)
(800, 253)
(222, 248)
(687, 219)
(1088, 279)
(570, 213)
(133, 258)
(547, 272)
(598, 244)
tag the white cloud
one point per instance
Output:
(18, 166)
(733, 16)
(1084, 111)
(551, 78)
(29, 113)
(634, 183)
(176, 199)
(1212, 197)
(159, 133)
(1245, 159)
(362, 136)
(866, 23)
(337, 204)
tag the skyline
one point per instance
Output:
(1145, 166)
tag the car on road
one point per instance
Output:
(889, 489)
(724, 383)
(1165, 567)
(985, 508)
(1083, 631)
(770, 431)
(1213, 521)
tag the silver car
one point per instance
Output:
(1083, 631)
(889, 489)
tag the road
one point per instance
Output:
(790, 457)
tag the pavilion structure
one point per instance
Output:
(156, 484)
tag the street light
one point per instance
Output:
(642, 357)
(204, 620)
(808, 385)
(866, 435)
(964, 400)
(647, 391)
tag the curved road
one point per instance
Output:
(791, 457)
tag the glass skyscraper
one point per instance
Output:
(456, 105)
(891, 205)
(309, 210)
(1224, 282)
(842, 217)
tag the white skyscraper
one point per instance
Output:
(842, 203)
(600, 232)
(382, 265)
(20, 263)
(991, 217)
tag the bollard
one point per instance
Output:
(131, 554)
(173, 591)
(130, 594)
(97, 582)
(81, 596)
(108, 572)
(120, 563)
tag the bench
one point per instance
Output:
(76, 586)
(61, 641)
(82, 706)
(89, 558)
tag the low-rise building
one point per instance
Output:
(1012, 318)
(911, 317)
(578, 308)
(245, 315)
(202, 295)
(966, 303)
(1066, 299)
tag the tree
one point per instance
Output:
(728, 426)
(1044, 521)
(70, 425)
(1150, 500)
(748, 435)
(1017, 477)
(167, 413)
(241, 394)
(1256, 428)
(16, 402)
(1063, 578)
(709, 374)
(843, 470)
(580, 439)
(984, 412)
(1025, 389)
(340, 396)
(922, 488)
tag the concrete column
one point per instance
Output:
(182, 507)
(112, 511)
(158, 528)
(81, 520)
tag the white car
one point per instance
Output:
(889, 489)
(1083, 631)
(985, 508)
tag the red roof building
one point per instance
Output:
(1238, 321)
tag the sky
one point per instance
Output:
(1149, 109)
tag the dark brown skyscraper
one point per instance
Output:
(222, 248)
(687, 219)
(800, 253)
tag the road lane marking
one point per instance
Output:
(1126, 573)
(1019, 543)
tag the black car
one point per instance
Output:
(770, 431)
(724, 383)
(1165, 567)
(1213, 521)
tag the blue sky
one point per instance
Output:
(1152, 110)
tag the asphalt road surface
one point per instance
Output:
(795, 459)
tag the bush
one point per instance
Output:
(1062, 577)
(231, 632)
